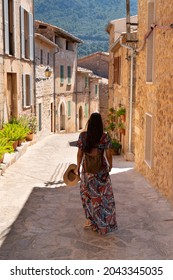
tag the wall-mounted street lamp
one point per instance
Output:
(48, 72)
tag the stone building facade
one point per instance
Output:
(97, 62)
(122, 81)
(154, 94)
(87, 96)
(1, 68)
(65, 59)
(103, 99)
(44, 73)
(16, 59)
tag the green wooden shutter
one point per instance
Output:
(96, 89)
(69, 108)
(86, 110)
(62, 74)
(86, 81)
(40, 116)
(69, 74)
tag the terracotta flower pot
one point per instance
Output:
(15, 144)
(123, 118)
(122, 131)
(29, 137)
(1, 158)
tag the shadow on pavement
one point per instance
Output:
(50, 225)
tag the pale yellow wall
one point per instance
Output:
(16, 65)
(66, 58)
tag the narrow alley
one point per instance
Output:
(41, 218)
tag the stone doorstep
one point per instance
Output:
(9, 159)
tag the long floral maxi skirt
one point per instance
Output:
(98, 201)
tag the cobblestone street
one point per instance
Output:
(41, 218)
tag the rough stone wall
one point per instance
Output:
(44, 87)
(64, 91)
(47, 32)
(1, 68)
(97, 62)
(87, 96)
(103, 99)
(119, 93)
(94, 98)
(156, 98)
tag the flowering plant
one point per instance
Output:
(29, 121)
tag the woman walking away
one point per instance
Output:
(95, 188)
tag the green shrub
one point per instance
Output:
(29, 121)
(5, 146)
(14, 131)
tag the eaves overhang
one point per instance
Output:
(61, 32)
(46, 40)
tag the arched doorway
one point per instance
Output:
(62, 116)
(80, 118)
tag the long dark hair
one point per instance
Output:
(94, 131)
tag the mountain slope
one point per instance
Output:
(86, 19)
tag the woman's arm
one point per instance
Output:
(79, 160)
(109, 158)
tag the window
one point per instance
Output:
(27, 92)
(96, 89)
(149, 139)
(41, 56)
(86, 82)
(26, 34)
(69, 46)
(61, 74)
(60, 41)
(40, 116)
(117, 70)
(86, 110)
(48, 58)
(9, 27)
(69, 108)
(150, 43)
(69, 75)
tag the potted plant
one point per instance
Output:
(121, 127)
(111, 122)
(5, 147)
(10, 132)
(22, 133)
(121, 112)
(116, 147)
(30, 122)
(112, 131)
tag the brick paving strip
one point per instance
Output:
(41, 218)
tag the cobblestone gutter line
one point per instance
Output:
(9, 159)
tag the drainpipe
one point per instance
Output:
(131, 96)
